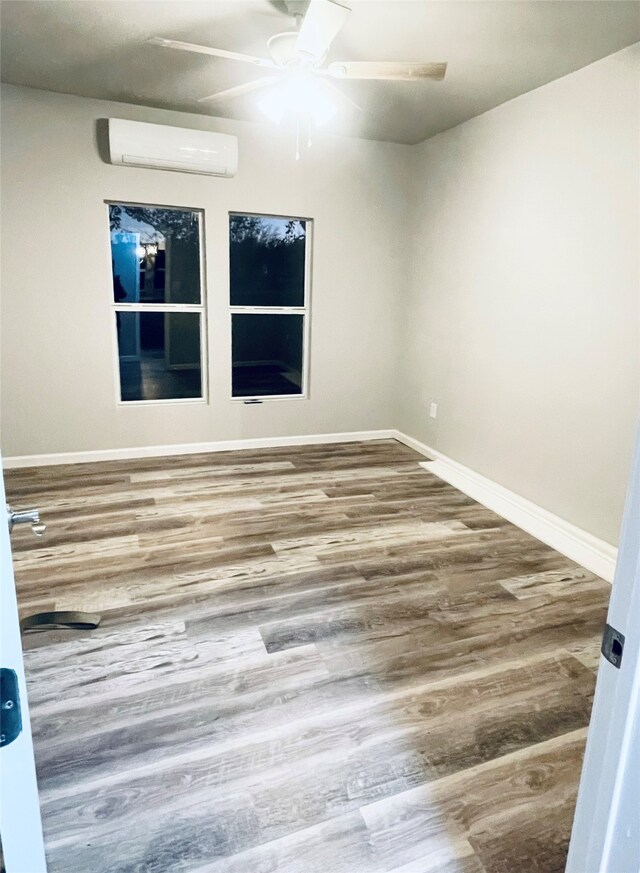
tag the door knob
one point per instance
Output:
(26, 516)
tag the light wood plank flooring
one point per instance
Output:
(312, 660)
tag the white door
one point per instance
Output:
(20, 826)
(606, 828)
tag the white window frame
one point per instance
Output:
(200, 308)
(304, 311)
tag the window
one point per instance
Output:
(158, 302)
(269, 290)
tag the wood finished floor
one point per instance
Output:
(312, 660)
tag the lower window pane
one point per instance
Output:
(159, 354)
(267, 354)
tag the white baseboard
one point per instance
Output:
(17, 461)
(582, 547)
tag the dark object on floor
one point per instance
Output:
(43, 621)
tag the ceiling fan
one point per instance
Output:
(296, 64)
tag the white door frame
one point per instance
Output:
(20, 824)
(606, 828)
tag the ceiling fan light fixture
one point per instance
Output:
(302, 96)
(273, 106)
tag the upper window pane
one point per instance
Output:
(267, 260)
(155, 254)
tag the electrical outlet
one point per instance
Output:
(433, 410)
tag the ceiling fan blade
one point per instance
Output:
(239, 90)
(344, 96)
(388, 70)
(208, 50)
(321, 25)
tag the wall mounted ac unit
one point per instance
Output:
(140, 144)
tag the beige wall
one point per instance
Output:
(522, 314)
(58, 391)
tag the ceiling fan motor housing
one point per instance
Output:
(282, 48)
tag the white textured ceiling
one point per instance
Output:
(496, 49)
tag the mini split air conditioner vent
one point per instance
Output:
(140, 144)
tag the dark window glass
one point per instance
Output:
(159, 355)
(267, 260)
(267, 354)
(155, 254)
